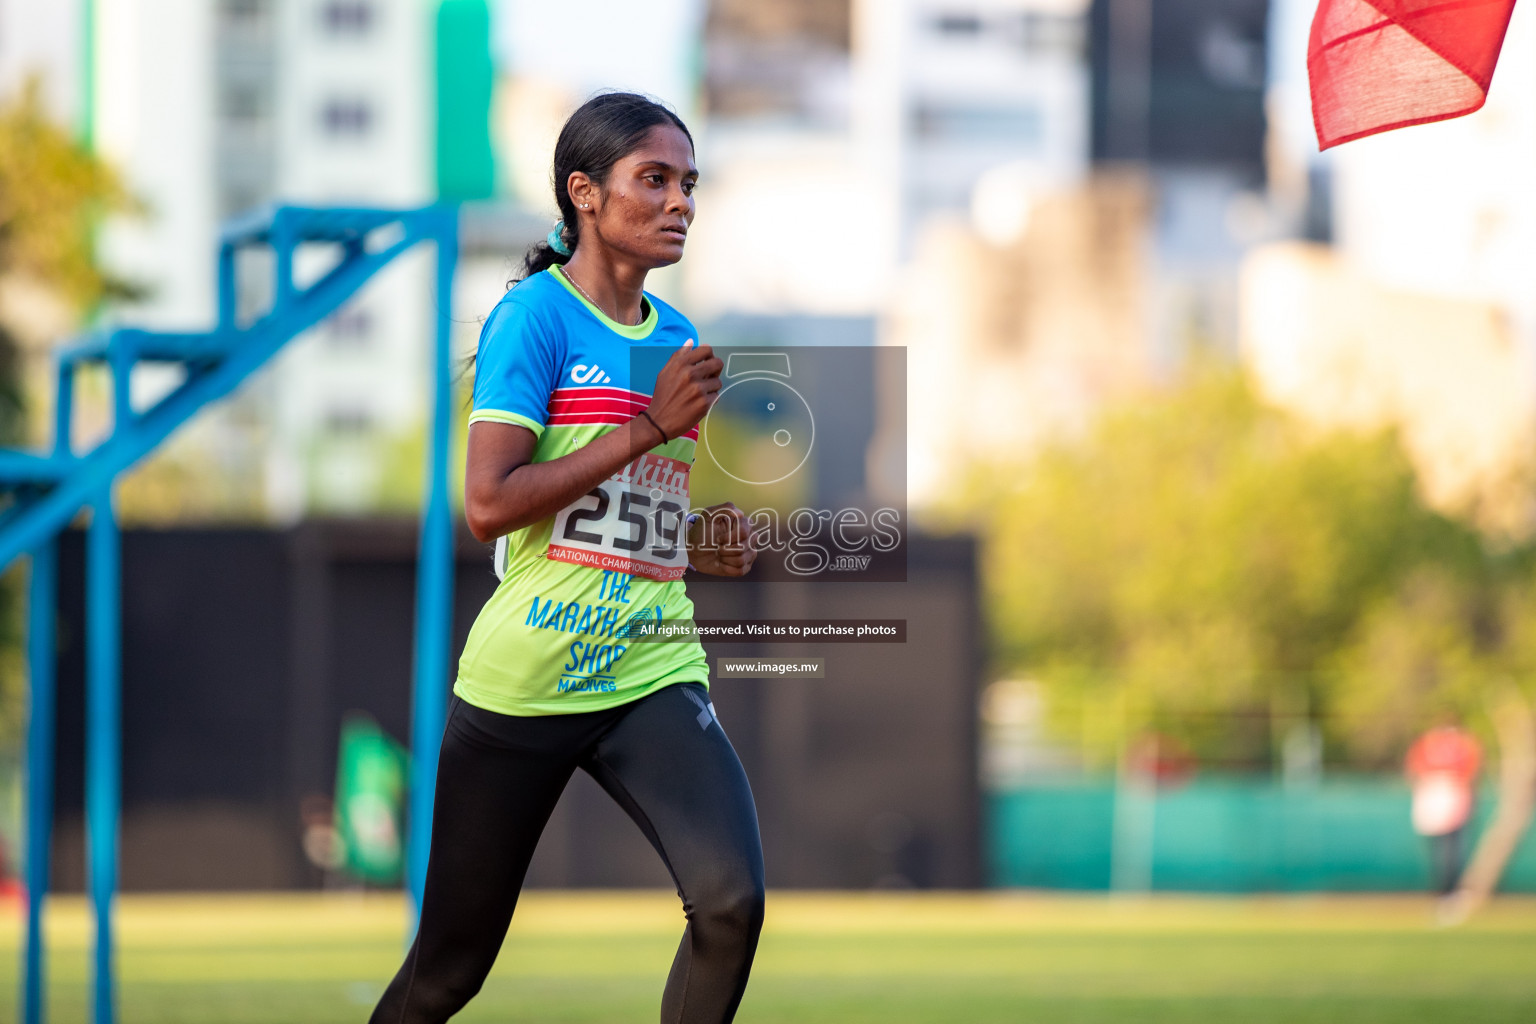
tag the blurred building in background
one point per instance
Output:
(884, 116)
(1049, 203)
(1179, 93)
(1100, 269)
(968, 102)
(213, 109)
(331, 103)
(1057, 191)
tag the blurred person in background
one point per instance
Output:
(580, 475)
(1442, 767)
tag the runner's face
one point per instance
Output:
(646, 207)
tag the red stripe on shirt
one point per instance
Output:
(595, 404)
(583, 419)
(572, 407)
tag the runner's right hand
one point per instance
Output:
(685, 388)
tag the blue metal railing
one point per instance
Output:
(48, 490)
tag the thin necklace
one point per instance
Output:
(566, 274)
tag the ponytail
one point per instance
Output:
(547, 253)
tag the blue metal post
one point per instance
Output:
(64, 412)
(283, 244)
(434, 573)
(228, 295)
(40, 734)
(31, 522)
(103, 722)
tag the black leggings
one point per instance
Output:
(667, 762)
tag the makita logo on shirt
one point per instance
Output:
(652, 470)
(581, 373)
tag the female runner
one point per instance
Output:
(582, 472)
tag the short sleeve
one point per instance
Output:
(515, 369)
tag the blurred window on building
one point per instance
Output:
(245, 83)
(347, 17)
(958, 24)
(243, 102)
(1231, 59)
(964, 122)
(1180, 82)
(784, 61)
(348, 420)
(351, 328)
(236, 199)
(1037, 33)
(347, 117)
(976, 86)
(1052, 34)
(245, 13)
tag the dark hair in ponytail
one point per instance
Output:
(602, 131)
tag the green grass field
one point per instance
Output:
(852, 959)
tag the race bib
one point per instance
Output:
(632, 522)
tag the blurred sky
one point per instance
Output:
(595, 46)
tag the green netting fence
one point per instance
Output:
(1340, 834)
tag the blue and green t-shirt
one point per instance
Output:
(550, 639)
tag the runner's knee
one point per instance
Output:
(731, 905)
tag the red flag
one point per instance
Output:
(1382, 64)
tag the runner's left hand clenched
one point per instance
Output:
(720, 543)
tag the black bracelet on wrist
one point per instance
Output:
(663, 433)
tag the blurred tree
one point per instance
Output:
(1199, 561)
(51, 193)
(1442, 645)
(12, 430)
(1203, 569)
(1434, 646)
